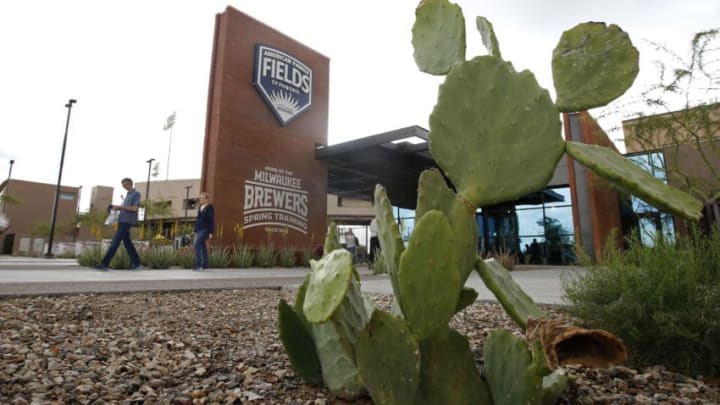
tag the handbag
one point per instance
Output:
(112, 217)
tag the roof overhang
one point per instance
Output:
(394, 159)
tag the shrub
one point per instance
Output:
(310, 254)
(218, 257)
(663, 301)
(242, 257)
(185, 257)
(121, 260)
(286, 257)
(90, 256)
(158, 257)
(505, 257)
(265, 256)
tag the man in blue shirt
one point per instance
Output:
(128, 217)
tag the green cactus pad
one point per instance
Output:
(391, 244)
(593, 64)
(448, 374)
(631, 178)
(492, 124)
(299, 344)
(467, 297)
(434, 194)
(508, 368)
(488, 36)
(329, 282)
(331, 239)
(518, 305)
(337, 357)
(553, 386)
(388, 359)
(429, 277)
(438, 36)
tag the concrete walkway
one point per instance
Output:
(21, 276)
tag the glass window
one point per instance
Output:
(67, 196)
(530, 222)
(564, 192)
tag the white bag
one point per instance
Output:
(112, 217)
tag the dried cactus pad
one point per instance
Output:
(438, 36)
(494, 132)
(329, 282)
(593, 64)
(629, 177)
(565, 344)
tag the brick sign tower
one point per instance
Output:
(267, 109)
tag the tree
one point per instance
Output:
(681, 118)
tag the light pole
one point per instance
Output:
(7, 185)
(57, 188)
(147, 185)
(187, 200)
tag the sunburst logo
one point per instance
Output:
(284, 102)
(283, 81)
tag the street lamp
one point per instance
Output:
(57, 188)
(187, 200)
(7, 185)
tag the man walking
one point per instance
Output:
(128, 217)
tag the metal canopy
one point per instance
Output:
(394, 159)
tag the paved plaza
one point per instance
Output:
(23, 276)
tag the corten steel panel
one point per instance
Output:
(603, 200)
(243, 136)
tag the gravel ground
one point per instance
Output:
(223, 347)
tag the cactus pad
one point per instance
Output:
(388, 359)
(509, 371)
(438, 36)
(434, 194)
(553, 386)
(467, 297)
(631, 178)
(593, 64)
(391, 244)
(331, 239)
(329, 283)
(448, 374)
(488, 36)
(492, 124)
(428, 277)
(518, 305)
(299, 344)
(337, 357)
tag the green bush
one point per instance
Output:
(185, 257)
(158, 257)
(91, 256)
(242, 257)
(121, 260)
(265, 256)
(218, 257)
(286, 257)
(663, 301)
(309, 254)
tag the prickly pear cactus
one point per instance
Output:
(593, 64)
(438, 36)
(489, 39)
(628, 176)
(487, 119)
(388, 358)
(509, 369)
(434, 194)
(429, 275)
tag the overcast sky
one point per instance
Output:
(130, 64)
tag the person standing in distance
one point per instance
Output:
(204, 230)
(128, 217)
(374, 241)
